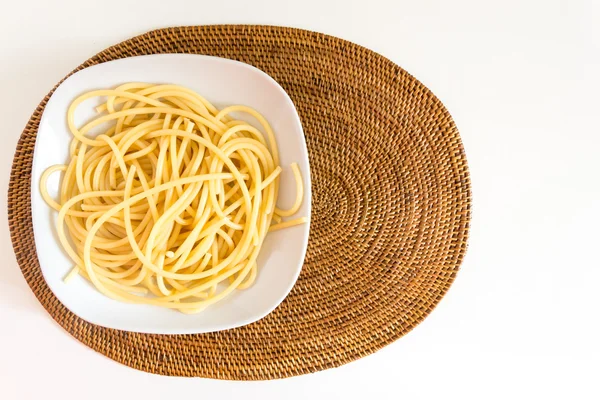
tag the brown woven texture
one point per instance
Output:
(391, 210)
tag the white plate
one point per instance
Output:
(223, 82)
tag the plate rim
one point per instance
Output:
(34, 185)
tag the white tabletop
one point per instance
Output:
(521, 79)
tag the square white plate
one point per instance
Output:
(223, 82)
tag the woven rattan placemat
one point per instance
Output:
(391, 210)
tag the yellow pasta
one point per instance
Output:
(170, 204)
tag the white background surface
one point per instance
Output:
(521, 79)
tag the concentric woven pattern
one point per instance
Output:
(391, 210)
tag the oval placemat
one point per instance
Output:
(390, 220)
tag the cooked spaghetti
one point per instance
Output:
(170, 203)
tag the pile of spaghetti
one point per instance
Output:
(169, 205)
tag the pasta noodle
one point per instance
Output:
(170, 203)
